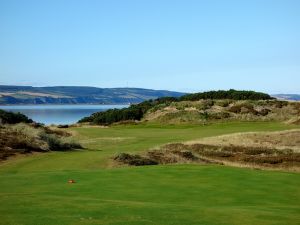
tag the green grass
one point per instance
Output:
(34, 189)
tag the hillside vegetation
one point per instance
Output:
(21, 135)
(205, 111)
(202, 108)
(26, 138)
(133, 112)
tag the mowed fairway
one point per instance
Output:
(34, 189)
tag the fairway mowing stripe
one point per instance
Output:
(124, 202)
(140, 203)
(244, 208)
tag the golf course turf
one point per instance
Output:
(34, 189)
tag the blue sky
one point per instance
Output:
(177, 45)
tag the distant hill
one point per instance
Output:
(291, 97)
(78, 95)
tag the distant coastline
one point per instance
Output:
(74, 95)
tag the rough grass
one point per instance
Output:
(26, 138)
(35, 189)
(273, 140)
(276, 150)
(204, 111)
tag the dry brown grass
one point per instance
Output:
(272, 140)
(260, 150)
(244, 110)
(26, 138)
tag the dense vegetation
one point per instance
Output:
(136, 112)
(230, 94)
(133, 112)
(19, 135)
(13, 118)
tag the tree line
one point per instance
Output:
(230, 94)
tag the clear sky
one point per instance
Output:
(177, 45)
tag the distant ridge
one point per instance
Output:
(10, 94)
(291, 97)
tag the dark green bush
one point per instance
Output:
(219, 115)
(264, 112)
(243, 108)
(134, 160)
(13, 118)
(230, 94)
(280, 104)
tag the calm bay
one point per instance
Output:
(58, 114)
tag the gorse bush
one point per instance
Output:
(230, 94)
(13, 118)
(133, 112)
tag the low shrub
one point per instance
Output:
(219, 115)
(221, 154)
(264, 160)
(185, 154)
(223, 103)
(205, 104)
(280, 104)
(243, 108)
(63, 126)
(134, 160)
(56, 143)
(24, 138)
(264, 112)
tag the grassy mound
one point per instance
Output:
(24, 138)
(205, 111)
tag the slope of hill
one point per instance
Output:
(193, 108)
(78, 95)
(204, 111)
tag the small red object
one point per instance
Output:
(71, 181)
